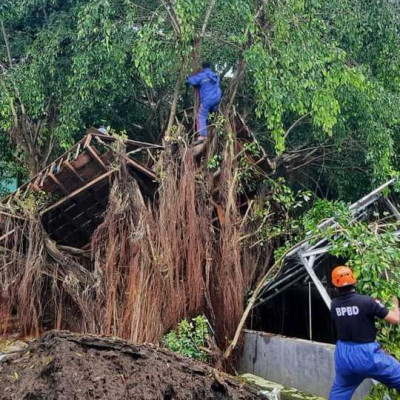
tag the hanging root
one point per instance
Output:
(149, 258)
(153, 261)
(36, 278)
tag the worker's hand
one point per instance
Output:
(393, 316)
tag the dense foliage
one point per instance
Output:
(318, 82)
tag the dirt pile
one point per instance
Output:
(67, 366)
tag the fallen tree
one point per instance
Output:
(190, 249)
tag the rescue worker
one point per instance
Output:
(357, 354)
(210, 96)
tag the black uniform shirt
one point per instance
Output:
(354, 317)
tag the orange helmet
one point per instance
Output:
(343, 276)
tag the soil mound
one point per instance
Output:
(66, 366)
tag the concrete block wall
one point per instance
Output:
(297, 363)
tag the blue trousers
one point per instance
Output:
(356, 361)
(202, 116)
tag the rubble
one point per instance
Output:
(62, 366)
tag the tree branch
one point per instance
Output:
(295, 123)
(233, 87)
(7, 44)
(207, 17)
(174, 20)
(49, 151)
(175, 96)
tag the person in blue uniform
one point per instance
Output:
(210, 96)
(357, 354)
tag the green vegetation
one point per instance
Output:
(319, 81)
(190, 338)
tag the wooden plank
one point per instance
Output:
(72, 149)
(54, 218)
(102, 140)
(65, 231)
(140, 167)
(45, 174)
(38, 180)
(88, 222)
(144, 144)
(94, 200)
(106, 138)
(78, 148)
(96, 157)
(35, 183)
(94, 131)
(58, 183)
(78, 191)
(73, 170)
(75, 148)
(60, 163)
(81, 161)
(93, 212)
(87, 141)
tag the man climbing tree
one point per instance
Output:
(357, 355)
(210, 96)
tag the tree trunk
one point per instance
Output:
(26, 135)
(32, 165)
(175, 97)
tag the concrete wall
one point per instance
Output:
(297, 363)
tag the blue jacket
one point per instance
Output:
(209, 83)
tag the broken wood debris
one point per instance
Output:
(77, 187)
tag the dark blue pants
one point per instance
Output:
(355, 362)
(202, 116)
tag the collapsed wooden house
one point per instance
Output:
(120, 237)
(75, 187)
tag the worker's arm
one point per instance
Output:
(195, 80)
(393, 316)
